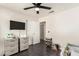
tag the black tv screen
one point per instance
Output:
(15, 25)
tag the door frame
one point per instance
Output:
(44, 22)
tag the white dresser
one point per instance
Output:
(24, 43)
(10, 46)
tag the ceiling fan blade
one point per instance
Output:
(34, 4)
(37, 12)
(39, 3)
(45, 7)
(29, 7)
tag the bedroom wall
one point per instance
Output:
(5, 16)
(64, 26)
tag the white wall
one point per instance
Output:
(5, 16)
(64, 26)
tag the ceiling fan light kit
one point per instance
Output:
(36, 9)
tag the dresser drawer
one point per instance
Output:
(10, 47)
(23, 40)
(7, 43)
(11, 51)
(23, 43)
(11, 40)
(23, 47)
(10, 44)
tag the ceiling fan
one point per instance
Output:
(37, 6)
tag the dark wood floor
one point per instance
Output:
(37, 50)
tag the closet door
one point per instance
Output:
(33, 32)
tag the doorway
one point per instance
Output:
(42, 31)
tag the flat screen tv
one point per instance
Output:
(15, 25)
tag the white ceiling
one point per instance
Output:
(57, 7)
